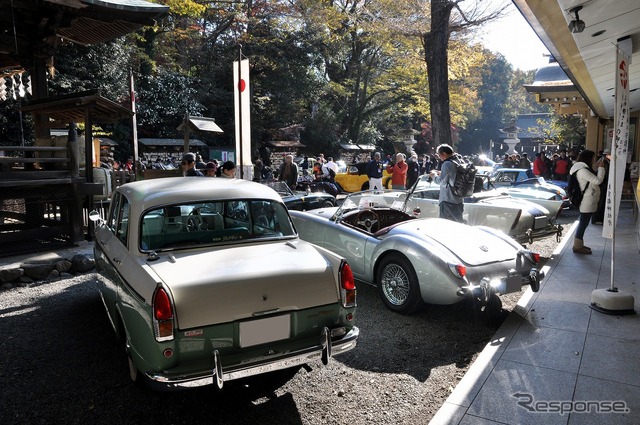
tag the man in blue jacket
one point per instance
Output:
(374, 172)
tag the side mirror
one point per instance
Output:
(95, 217)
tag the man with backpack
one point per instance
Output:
(451, 206)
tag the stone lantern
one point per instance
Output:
(512, 138)
(408, 139)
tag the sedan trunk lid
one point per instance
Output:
(246, 281)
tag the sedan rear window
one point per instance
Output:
(215, 222)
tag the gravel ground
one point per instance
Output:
(61, 363)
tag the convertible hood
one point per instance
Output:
(246, 281)
(471, 245)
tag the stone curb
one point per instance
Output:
(45, 267)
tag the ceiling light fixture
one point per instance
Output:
(576, 25)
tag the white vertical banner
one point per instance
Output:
(241, 103)
(620, 142)
(134, 125)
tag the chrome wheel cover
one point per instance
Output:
(395, 284)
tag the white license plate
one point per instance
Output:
(261, 331)
(540, 222)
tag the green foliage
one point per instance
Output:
(566, 130)
(15, 127)
(349, 71)
(103, 66)
(163, 103)
(493, 92)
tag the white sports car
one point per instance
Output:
(414, 261)
(522, 218)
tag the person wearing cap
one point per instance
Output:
(374, 172)
(189, 166)
(210, 169)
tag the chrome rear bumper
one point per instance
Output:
(512, 283)
(219, 374)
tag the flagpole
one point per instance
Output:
(612, 300)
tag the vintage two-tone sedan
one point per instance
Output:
(206, 280)
(414, 261)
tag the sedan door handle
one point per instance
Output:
(117, 261)
(103, 243)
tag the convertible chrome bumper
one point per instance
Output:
(325, 350)
(512, 283)
(530, 235)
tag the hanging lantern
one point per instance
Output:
(27, 81)
(3, 90)
(21, 91)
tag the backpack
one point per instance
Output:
(574, 193)
(465, 178)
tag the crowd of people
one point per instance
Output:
(406, 171)
(551, 166)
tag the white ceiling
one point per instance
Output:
(589, 59)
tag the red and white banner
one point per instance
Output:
(620, 142)
(134, 123)
(241, 103)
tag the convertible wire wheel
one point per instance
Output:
(395, 284)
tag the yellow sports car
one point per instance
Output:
(356, 179)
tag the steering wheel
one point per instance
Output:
(194, 222)
(369, 220)
(262, 221)
(238, 214)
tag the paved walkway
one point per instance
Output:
(554, 353)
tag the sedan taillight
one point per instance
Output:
(162, 315)
(347, 285)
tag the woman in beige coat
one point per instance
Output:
(589, 204)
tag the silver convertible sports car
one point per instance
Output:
(414, 261)
(524, 219)
(206, 280)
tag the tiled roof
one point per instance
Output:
(169, 142)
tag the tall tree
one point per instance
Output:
(367, 71)
(493, 93)
(435, 40)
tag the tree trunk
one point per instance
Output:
(436, 56)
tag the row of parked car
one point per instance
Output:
(211, 280)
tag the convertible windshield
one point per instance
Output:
(279, 186)
(373, 199)
(213, 222)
